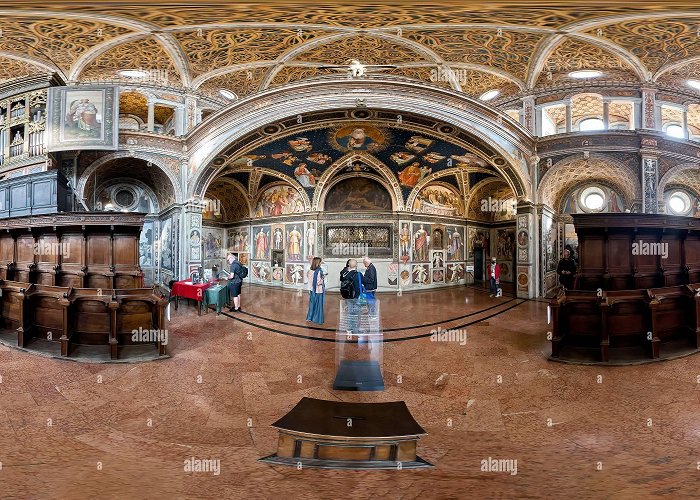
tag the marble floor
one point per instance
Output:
(76, 430)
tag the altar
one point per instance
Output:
(340, 435)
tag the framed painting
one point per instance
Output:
(83, 118)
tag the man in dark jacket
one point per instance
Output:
(350, 273)
(234, 282)
(566, 270)
(369, 280)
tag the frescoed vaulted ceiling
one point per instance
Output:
(408, 160)
(511, 46)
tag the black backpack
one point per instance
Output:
(347, 285)
(242, 271)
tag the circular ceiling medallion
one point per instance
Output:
(446, 129)
(499, 161)
(218, 161)
(361, 114)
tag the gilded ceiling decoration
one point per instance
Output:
(233, 202)
(493, 189)
(694, 118)
(161, 114)
(620, 111)
(426, 74)
(678, 76)
(288, 74)
(673, 115)
(654, 42)
(684, 178)
(575, 54)
(12, 68)
(173, 14)
(219, 48)
(557, 114)
(133, 103)
(190, 44)
(370, 50)
(145, 54)
(577, 170)
(56, 41)
(586, 106)
(510, 51)
(241, 82)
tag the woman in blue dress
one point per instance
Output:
(317, 289)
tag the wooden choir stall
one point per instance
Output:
(73, 280)
(638, 293)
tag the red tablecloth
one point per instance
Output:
(189, 291)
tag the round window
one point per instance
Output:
(593, 199)
(679, 203)
(124, 197)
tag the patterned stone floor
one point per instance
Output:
(76, 430)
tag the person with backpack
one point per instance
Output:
(351, 289)
(351, 281)
(317, 289)
(237, 273)
(345, 270)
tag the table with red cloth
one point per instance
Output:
(188, 290)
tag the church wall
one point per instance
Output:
(434, 257)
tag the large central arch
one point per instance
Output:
(512, 143)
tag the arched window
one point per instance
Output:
(590, 124)
(674, 130)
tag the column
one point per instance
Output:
(529, 114)
(649, 111)
(193, 115)
(568, 117)
(650, 172)
(193, 236)
(151, 115)
(526, 251)
(686, 132)
(179, 121)
(606, 114)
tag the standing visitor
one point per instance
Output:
(369, 280)
(566, 270)
(235, 280)
(317, 289)
(494, 272)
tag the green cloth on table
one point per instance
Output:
(217, 295)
